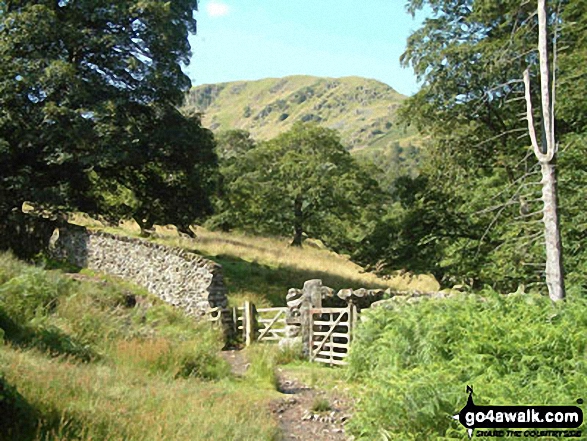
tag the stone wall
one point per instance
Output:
(179, 277)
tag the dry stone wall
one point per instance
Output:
(179, 277)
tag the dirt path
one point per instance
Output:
(298, 417)
(298, 409)
(237, 360)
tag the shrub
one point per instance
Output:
(417, 359)
(33, 292)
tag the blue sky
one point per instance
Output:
(254, 39)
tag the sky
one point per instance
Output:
(255, 39)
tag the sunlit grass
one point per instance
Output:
(79, 362)
(97, 401)
(311, 261)
(263, 269)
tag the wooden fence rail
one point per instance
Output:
(328, 330)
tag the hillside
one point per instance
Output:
(362, 110)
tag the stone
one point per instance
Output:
(175, 275)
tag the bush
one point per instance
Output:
(31, 293)
(417, 359)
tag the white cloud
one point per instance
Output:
(217, 9)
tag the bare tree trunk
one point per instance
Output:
(298, 222)
(546, 156)
(552, 236)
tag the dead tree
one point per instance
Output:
(546, 155)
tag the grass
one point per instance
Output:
(263, 269)
(77, 361)
(321, 405)
(363, 110)
(96, 401)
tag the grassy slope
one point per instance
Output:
(80, 361)
(362, 110)
(264, 269)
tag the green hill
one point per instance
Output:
(362, 110)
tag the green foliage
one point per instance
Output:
(176, 163)
(89, 118)
(320, 404)
(392, 162)
(304, 180)
(59, 316)
(52, 323)
(572, 164)
(472, 216)
(417, 359)
(289, 353)
(262, 366)
(32, 293)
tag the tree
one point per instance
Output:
(170, 179)
(86, 89)
(481, 177)
(231, 148)
(546, 155)
(303, 181)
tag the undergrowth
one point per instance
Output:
(97, 359)
(415, 361)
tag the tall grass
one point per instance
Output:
(416, 360)
(97, 402)
(80, 361)
(262, 269)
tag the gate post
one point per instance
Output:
(312, 298)
(353, 316)
(249, 325)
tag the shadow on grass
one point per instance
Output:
(49, 339)
(235, 242)
(272, 284)
(20, 420)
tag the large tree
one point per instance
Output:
(479, 190)
(302, 182)
(88, 94)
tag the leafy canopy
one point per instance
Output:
(303, 181)
(473, 215)
(89, 93)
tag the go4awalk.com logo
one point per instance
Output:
(515, 421)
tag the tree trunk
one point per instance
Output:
(552, 236)
(546, 154)
(185, 229)
(298, 221)
(146, 226)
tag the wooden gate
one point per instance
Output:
(259, 324)
(330, 334)
(271, 324)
